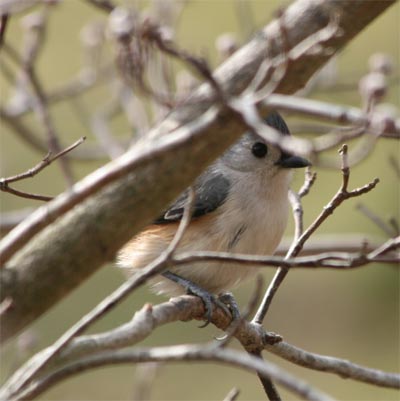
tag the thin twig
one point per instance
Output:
(394, 162)
(297, 211)
(145, 376)
(309, 180)
(391, 244)
(342, 195)
(331, 243)
(337, 366)
(199, 64)
(232, 395)
(323, 110)
(24, 194)
(395, 225)
(3, 27)
(333, 260)
(47, 160)
(377, 220)
(101, 129)
(77, 86)
(26, 134)
(46, 120)
(34, 40)
(295, 201)
(104, 5)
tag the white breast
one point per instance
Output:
(263, 213)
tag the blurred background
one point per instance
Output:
(352, 314)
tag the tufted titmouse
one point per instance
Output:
(240, 206)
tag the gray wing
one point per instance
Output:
(211, 191)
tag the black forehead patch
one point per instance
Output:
(276, 121)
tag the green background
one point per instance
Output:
(352, 314)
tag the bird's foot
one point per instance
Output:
(207, 298)
(227, 299)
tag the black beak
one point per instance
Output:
(289, 161)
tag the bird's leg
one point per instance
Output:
(194, 289)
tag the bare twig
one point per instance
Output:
(394, 162)
(340, 367)
(342, 195)
(47, 123)
(24, 194)
(6, 303)
(329, 112)
(104, 5)
(295, 201)
(77, 86)
(297, 210)
(395, 225)
(377, 220)
(100, 127)
(331, 243)
(391, 244)
(183, 225)
(35, 37)
(198, 64)
(3, 27)
(312, 44)
(232, 395)
(333, 260)
(47, 160)
(309, 180)
(26, 134)
(178, 353)
(145, 376)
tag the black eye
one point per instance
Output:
(259, 149)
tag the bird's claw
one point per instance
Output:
(229, 305)
(225, 301)
(193, 289)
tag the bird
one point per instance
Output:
(240, 205)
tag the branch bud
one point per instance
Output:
(122, 23)
(226, 44)
(380, 62)
(373, 86)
